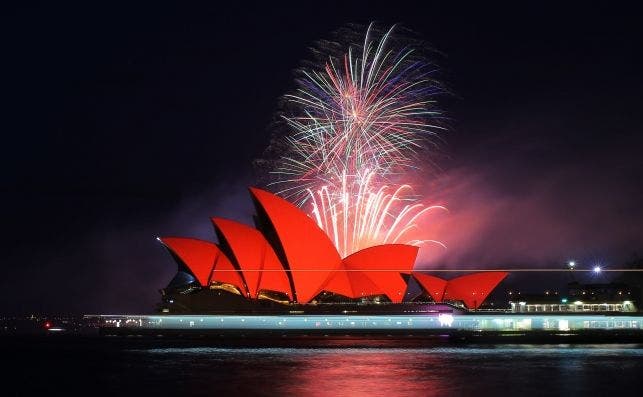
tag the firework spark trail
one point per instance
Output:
(370, 217)
(357, 122)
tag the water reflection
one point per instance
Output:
(366, 372)
(377, 368)
(335, 367)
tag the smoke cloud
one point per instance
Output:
(514, 214)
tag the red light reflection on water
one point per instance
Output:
(366, 370)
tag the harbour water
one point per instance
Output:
(317, 367)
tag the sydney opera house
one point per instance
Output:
(288, 264)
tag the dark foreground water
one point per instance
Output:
(347, 367)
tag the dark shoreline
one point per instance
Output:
(529, 337)
(304, 338)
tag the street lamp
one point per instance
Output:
(597, 269)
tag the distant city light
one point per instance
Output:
(597, 269)
(564, 300)
(571, 264)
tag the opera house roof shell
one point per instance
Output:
(288, 253)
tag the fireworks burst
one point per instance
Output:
(368, 217)
(354, 125)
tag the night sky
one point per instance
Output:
(122, 123)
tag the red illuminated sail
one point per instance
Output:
(434, 286)
(308, 252)
(198, 256)
(252, 253)
(473, 289)
(353, 284)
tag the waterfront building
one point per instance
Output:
(611, 297)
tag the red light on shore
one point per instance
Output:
(47, 325)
